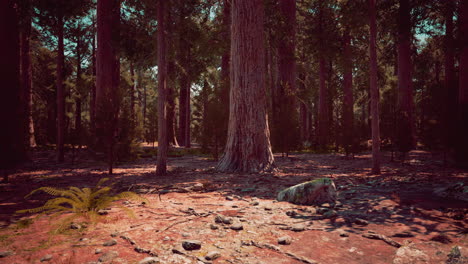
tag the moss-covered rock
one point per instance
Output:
(314, 192)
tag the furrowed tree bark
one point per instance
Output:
(225, 63)
(248, 146)
(79, 87)
(374, 90)
(12, 139)
(171, 130)
(26, 71)
(161, 168)
(60, 91)
(461, 153)
(406, 127)
(92, 97)
(348, 99)
(323, 114)
(108, 75)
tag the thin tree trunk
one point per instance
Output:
(78, 96)
(374, 90)
(26, 71)
(162, 89)
(60, 92)
(108, 75)
(406, 127)
(323, 118)
(248, 146)
(462, 142)
(188, 112)
(450, 102)
(132, 93)
(348, 100)
(92, 104)
(171, 131)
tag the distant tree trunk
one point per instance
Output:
(26, 71)
(323, 129)
(60, 92)
(92, 97)
(12, 139)
(374, 90)
(188, 114)
(461, 154)
(406, 126)
(450, 94)
(171, 130)
(288, 119)
(162, 89)
(139, 77)
(248, 145)
(132, 93)
(78, 96)
(108, 75)
(348, 100)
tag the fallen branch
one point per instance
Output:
(174, 224)
(279, 250)
(387, 240)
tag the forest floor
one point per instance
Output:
(398, 208)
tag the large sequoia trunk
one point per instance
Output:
(374, 90)
(60, 92)
(161, 168)
(406, 126)
(462, 142)
(12, 139)
(248, 144)
(107, 75)
(323, 130)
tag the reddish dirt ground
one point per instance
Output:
(398, 204)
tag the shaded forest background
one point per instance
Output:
(317, 72)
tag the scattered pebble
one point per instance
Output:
(229, 198)
(213, 227)
(108, 256)
(237, 227)
(110, 243)
(212, 255)
(360, 221)
(46, 258)
(285, 240)
(298, 228)
(149, 260)
(75, 226)
(98, 251)
(191, 244)
(4, 254)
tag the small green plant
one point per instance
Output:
(81, 203)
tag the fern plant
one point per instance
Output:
(82, 203)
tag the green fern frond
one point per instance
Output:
(48, 190)
(131, 196)
(101, 182)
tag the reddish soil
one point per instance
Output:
(398, 204)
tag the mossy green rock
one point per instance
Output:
(314, 192)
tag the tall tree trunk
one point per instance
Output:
(92, 97)
(171, 130)
(79, 88)
(406, 126)
(462, 142)
(132, 93)
(108, 75)
(288, 119)
(225, 65)
(248, 146)
(60, 92)
(348, 99)
(162, 89)
(12, 139)
(323, 114)
(26, 71)
(188, 114)
(450, 94)
(374, 90)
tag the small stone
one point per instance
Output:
(291, 213)
(46, 258)
(149, 260)
(98, 251)
(84, 239)
(191, 244)
(4, 254)
(237, 227)
(344, 234)
(254, 203)
(102, 212)
(75, 226)
(212, 255)
(142, 250)
(108, 256)
(267, 208)
(326, 205)
(285, 240)
(235, 206)
(115, 234)
(360, 221)
(409, 254)
(298, 228)
(322, 210)
(110, 243)
(213, 227)
(166, 238)
(185, 234)
(229, 198)
(227, 220)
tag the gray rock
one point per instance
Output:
(298, 228)
(98, 251)
(46, 258)
(110, 243)
(229, 198)
(185, 234)
(314, 192)
(284, 240)
(254, 203)
(4, 254)
(410, 255)
(191, 244)
(115, 234)
(267, 208)
(212, 255)
(213, 227)
(330, 214)
(149, 260)
(75, 226)
(223, 220)
(109, 256)
(322, 210)
(237, 227)
(103, 212)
